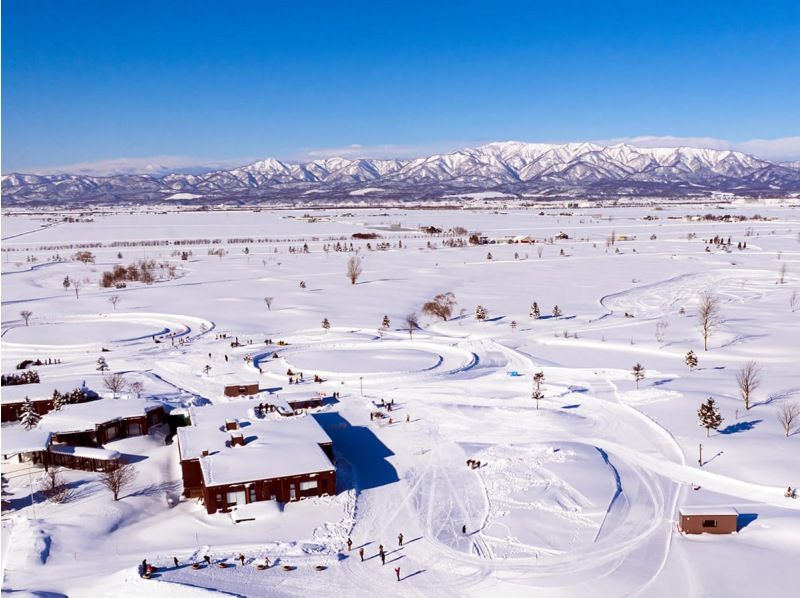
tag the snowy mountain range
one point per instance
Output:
(556, 170)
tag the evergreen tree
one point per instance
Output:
(535, 313)
(556, 311)
(101, 364)
(59, 400)
(691, 360)
(638, 373)
(29, 418)
(708, 416)
(66, 284)
(326, 325)
(386, 323)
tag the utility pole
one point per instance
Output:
(30, 481)
(361, 380)
(700, 459)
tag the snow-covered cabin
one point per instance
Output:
(709, 520)
(98, 422)
(230, 456)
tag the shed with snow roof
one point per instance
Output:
(709, 520)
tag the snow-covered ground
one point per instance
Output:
(577, 497)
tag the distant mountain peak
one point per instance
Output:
(512, 167)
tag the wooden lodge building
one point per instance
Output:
(73, 437)
(233, 454)
(98, 422)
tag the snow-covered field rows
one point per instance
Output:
(578, 497)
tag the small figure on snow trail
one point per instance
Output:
(464, 529)
(397, 572)
(207, 559)
(241, 558)
(383, 558)
(400, 538)
(349, 544)
(175, 560)
(361, 553)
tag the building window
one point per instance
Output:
(312, 485)
(252, 497)
(235, 498)
(709, 523)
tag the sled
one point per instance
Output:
(288, 568)
(262, 567)
(196, 565)
(223, 565)
(320, 567)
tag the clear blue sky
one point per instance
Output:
(95, 80)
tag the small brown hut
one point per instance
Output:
(709, 520)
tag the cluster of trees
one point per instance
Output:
(71, 397)
(147, 271)
(29, 377)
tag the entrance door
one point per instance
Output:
(292, 492)
(236, 498)
(134, 429)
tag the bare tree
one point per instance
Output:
(782, 273)
(412, 321)
(76, 286)
(440, 306)
(268, 302)
(116, 480)
(55, 487)
(707, 316)
(748, 379)
(115, 383)
(793, 301)
(113, 300)
(26, 315)
(540, 250)
(788, 416)
(136, 388)
(354, 269)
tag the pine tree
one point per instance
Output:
(480, 313)
(535, 313)
(59, 400)
(101, 364)
(326, 325)
(386, 323)
(537, 394)
(709, 416)
(638, 373)
(691, 360)
(556, 311)
(29, 418)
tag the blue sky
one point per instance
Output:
(225, 82)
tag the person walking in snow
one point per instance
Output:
(241, 558)
(383, 558)
(361, 553)
(349, 544)
(207, 559)
(397, 572)
(464, 529)
(400, 538)
(175, 560)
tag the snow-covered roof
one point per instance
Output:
(277, 447)
(16, 439)
(85, 416)
(39, 391)
(85, 452)
(708, 511)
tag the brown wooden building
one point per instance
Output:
(82, 457)
(105, 420)
(241, 390)
(230, 457)
(709, 520)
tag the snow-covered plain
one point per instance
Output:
(579, 497)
